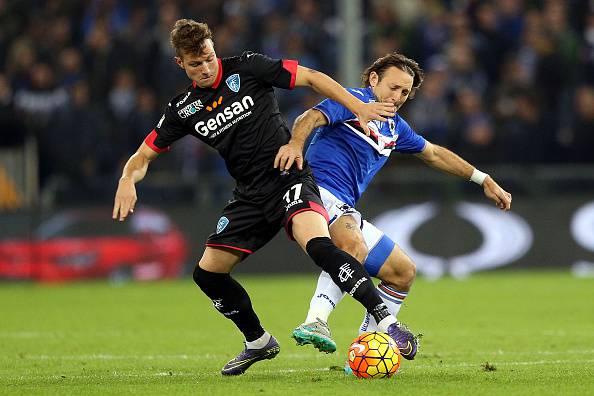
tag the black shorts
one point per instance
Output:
(247, 226)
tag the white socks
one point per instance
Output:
(385, 323)
(393, 299)
(324, 300)
(260, 342)
(328, 295)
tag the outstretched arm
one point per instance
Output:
(443, 159)
(292, 152)
(329, 88)
(134, 171)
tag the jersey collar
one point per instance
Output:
(218, 79)
(371, 94)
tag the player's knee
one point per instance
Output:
(198, 275)
(357, 249)
(204, 278)
(322, 250)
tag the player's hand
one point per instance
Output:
(374, 111)
(289, 154)
(497, 194)
(125, 199)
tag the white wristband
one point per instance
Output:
(478, 177)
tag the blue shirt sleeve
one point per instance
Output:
(334, 111)
(408, 140)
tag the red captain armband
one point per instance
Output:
(150, 141)
(291, 67)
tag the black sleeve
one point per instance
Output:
(276, 72)
(168, 130)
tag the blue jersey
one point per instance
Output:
(344, 159)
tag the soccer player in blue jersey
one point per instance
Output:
(344, 160)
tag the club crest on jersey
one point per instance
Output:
(233, 82)
(392, 125)
(223, 222)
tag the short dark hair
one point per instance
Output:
(400, 61)
(188, 36)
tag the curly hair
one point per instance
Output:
(189, 36)
(400, 61)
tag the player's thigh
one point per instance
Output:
(303, 213)
(220, 260)
(307, 225)
(346, 234)
(398, 269)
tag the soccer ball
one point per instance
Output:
(374, 355)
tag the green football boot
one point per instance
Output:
(316, 333)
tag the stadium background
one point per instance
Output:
(509, 86)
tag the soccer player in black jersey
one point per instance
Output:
(231, 106)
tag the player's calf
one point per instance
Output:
(231, 300)
(350, 276)
(398, 271)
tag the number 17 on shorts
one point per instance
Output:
(293, 196)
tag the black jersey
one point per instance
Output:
(238, 116)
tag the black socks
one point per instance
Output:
(348, 274)
(230, 299)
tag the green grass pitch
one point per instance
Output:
(500, 333)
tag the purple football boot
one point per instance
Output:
(247, 357)
(407, 342)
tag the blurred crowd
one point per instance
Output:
(506, 81)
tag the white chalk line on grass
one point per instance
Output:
(116, 374)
